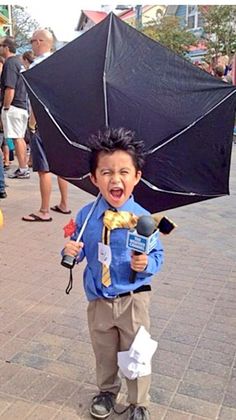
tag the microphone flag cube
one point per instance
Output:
(140, 243)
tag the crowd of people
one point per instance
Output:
(221, 68)
(19, 134)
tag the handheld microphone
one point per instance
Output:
(143, 239)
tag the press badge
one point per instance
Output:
(104, 254)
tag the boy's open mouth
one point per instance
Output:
(116, 193)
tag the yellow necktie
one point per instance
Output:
(114, 220)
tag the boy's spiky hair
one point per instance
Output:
(113, 139)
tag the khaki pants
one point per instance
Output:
(113, 324)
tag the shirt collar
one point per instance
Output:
(103, 205)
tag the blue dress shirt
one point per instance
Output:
(120, 264)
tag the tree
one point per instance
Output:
(219, 25)
(170, 34)
(22, 26)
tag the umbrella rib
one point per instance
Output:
(80, 178)
(190, 125)
(73, 143)
(155, 188)
(104, 74)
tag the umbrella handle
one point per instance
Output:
(68, 261)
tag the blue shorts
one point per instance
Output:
(39, 160)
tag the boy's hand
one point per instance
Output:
(139, 262)
(73, 248)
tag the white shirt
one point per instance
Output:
(40, 58)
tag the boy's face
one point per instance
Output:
(116, 177)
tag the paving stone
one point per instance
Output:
(62, 331)
(30, 360)
(17, 325)
(81, 399)
(216, 346)
(207, 391)
(58, 396)
(195, 406)
(175, 347)
(17, 411)
(40, 388)
(160, 396)
(11, 348)
(157, 411)
(172, 370)
(78, 357)
(204, 379)
(227, 413)
(5, 402)
(71, 371)
(230, 399)
(69, 415)
(33, 329)
(45, 350)
(170, 357)
(20, 381)
(164, 382)
(209, 367)
(193, 314)
(43, 413)
(214, 356)
(7, 372)
(52, 339)
(177, 415)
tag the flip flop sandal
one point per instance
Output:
(35, 218)
(58, 210)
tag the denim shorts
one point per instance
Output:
(39, 160)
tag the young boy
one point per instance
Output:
(117, 307)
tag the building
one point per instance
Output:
(190, 18)
(88, 19)
(5, 20)
(135, 16)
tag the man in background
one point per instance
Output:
(14, 112)
(42, 44)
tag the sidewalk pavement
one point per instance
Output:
(47, 369)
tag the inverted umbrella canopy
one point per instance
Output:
(114, 76)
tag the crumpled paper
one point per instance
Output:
(136, 362)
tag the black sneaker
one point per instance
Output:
(102, 405)
(138, 413)
(3, 194)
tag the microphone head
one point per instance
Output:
(146, 225)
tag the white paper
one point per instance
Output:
(143, 347)
(136, 362)
(104, 254)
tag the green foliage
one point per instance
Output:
(219, 24)
(22, 26)
(170, 34)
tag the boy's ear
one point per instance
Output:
(93, 180)
(138, 177)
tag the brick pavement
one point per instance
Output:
(47, 369)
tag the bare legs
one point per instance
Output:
(45, 187)
(63, 187)
(20, 148)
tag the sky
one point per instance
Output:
(63, 16)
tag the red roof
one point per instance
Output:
(95, 17)
(131, 12)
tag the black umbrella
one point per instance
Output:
(115, 76)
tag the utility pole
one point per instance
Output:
(138, 16)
